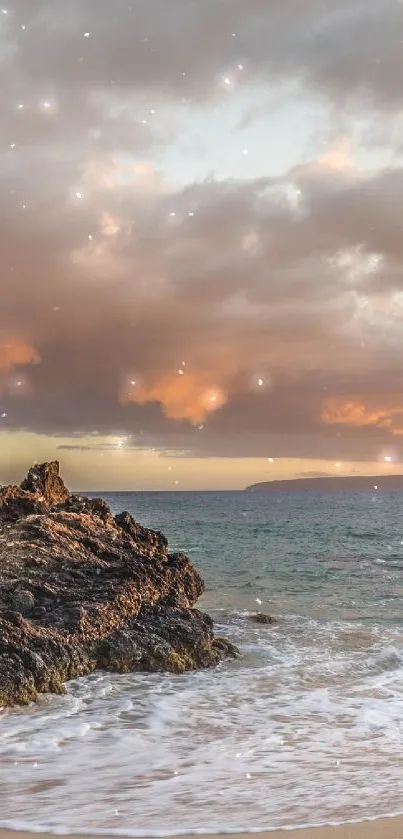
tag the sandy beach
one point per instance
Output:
(390, 828)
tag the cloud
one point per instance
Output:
(358, 414)
(15, 353)
(190, 396)
(338, 157)
(352, 49)
(178, 306)
(116, 446)
(267, 310)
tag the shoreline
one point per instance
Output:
(382, 828)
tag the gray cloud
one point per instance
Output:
(352, 49)
(252, 287)
(267, 311)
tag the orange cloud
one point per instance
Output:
(348, 411)
(338, 158)
(16, 353)
(183, 395)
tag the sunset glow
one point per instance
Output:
(200, 242)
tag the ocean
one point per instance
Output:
(305, 728)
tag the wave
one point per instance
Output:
(17, 826)
(365, 534)
(387, 660)
(311, 703)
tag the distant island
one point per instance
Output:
(353, 483)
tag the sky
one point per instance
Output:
(201, 240)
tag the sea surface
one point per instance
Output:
(305, 728)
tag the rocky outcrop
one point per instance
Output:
(82, 590)
(46, 481)
(260, 617)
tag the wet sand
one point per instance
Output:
(380, 829)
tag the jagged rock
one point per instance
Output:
(45, 480)
(82, 590)
(15, 503)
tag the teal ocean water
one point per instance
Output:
(306, 728)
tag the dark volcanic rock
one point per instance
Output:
(82, 590)
(15, 504)
(260, 617)
(23, 601)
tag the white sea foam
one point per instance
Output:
(246, 746)
(21, 826)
